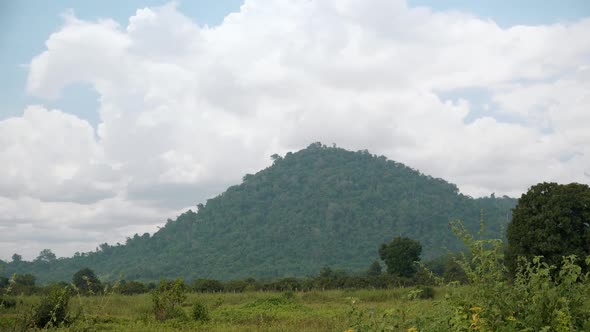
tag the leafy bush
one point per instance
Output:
(425, 292)
(289, 295)
(87, 282)
(537, 300)
(200, 312)
(52, 311)
(131, 287)
(7, 302)
(168, 298)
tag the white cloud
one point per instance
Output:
(187, 110)
(53, 156)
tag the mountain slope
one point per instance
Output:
(316, 207)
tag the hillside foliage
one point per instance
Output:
(321, 206)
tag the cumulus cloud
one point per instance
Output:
(186, 110)
(53, 156)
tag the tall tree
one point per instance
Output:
(46, 255)
(86, 281)
(374, 270)
(400, 256)
(550, 220)
(16, 258)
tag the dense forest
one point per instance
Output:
(321, 206)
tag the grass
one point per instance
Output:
(249, 311)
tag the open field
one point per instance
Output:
(250, 311)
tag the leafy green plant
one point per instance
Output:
(537, 300)
(7, 302)
(540, 297)
(422, 292)
(200, 312)
(168, 298)
(52, 311)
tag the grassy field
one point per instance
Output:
(334, 310)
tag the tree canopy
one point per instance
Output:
(400, 256)
(46, 255)
(86, 281)
(550, 220)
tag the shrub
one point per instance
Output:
(132, 288)
(52, 311)
(207, 285)
(424, 292)
(168, 298)
(87, 282)
(200, 312)
(540, 297)
(7, 303)
(537, 300)
(289, 295)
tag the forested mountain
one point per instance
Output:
(321, 206)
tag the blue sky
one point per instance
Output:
(27, 24)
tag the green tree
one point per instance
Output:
(132, 287)
(46, 255)
(86, 281)
(23, 284)
(4, 282)
(16, 258)
(550, 220)
(374, 270)
(27, 279)
(400, 256)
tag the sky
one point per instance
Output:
(115, 116)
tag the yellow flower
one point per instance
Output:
(413, 329)
(349, 330)
(476, 309)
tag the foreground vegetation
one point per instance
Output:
(248, 311)
(533, 303)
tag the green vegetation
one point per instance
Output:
(86, 282)
(248, 311)
(537, 297)
(200, 312)
(168, 299)
(52, 311)
(400, 256)
(321, 206)
(550, 220)
(541, 284)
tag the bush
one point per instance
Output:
(168, 298)
(52, 311)
(540, 297)
(132, 288)
(200, 312)
(87, 282)
(207, 286)
(7, 303)
(537, 300)
(425, 292)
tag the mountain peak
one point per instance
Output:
(315, 207)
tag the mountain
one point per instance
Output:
(321, 206)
